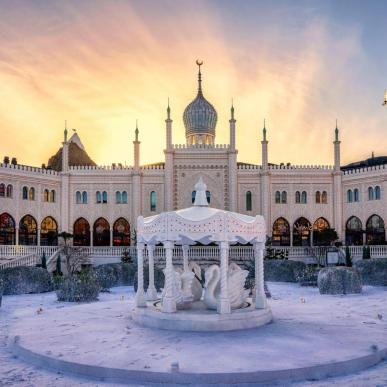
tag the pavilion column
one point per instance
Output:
(38, 236)
(224, 305)
(111, 236)
(185, 257)
(260, 296)
(168, 302)
(91, 237)
(140, 295)
(151, 293)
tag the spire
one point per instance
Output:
(232, 109)
(264, 129)
(199, 63)
(136, 131)
(65, 131)
(336, 132)
(168, 111)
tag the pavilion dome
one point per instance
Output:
(200, 116)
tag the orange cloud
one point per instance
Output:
(102, 67)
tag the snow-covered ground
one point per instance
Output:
(366, 314)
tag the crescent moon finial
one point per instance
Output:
(198, 62)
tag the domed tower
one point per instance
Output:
(200, 118)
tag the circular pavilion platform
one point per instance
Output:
(200, 319)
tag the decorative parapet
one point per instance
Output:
(302, 167)
(249, 167)
(152, 167)
(201, 146)
(100, 168)
(363, 170)
(27, 168)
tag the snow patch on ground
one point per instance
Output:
(340, 319)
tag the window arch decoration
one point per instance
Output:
(31, 193)
(104, 197)
(324, 197)
(99, 197)
(353, 231)
(81, 232)
(284, 197)
(124, 197)
(7, 229)
(25, 193)
(304, 197)
(52, 196)
(153, 200)
(78, 197)
(118, 197)
(49, 232)
(318, 197)
(356, 196)
(46, 195)
(281, 232)
(84, 197)
(2, 190)
(298, 197)
(9, 191)
(28, 231)
(277, 197)
(370, 193)
(121, 232)
(375, 231)
(377, 192)
(349, 196)
(249, 205)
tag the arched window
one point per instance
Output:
(375, 232)
(31, 193)
(118, 197)
(9, 190)
(7, 230)
(208, 196)
(370, 193)
(84, 197)
(153, 201)
(318, 197)
(99, 197)
(78, 197)
(284, 197)
(319, 226)
(301, 232)
(28, 231)
(52, 196)
(2, 190)
(121, 232)
(101, 232)
(45, 195)
(349, 196)
(324, 197)
(377, 193)
(248, 201)
(353, 231)
(81, 232)
(124, 197)
(193, 196)
(355, 195)
(298, 197)
(104, 197)
(303, 197)
(281, 233)
(49, 232)
(25, 193)
(277, 197)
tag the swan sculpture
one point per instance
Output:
(236, 282)
(196, 287)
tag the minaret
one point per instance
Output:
(168, 128)
(264, 143)
(232, 166)
(337, 188)
(136, 181)
(65, 151)
(65, 184)
(265, 182)
(232, 128)
(336, 144)
(168, 171)
(136, 144)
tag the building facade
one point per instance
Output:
(100, 205)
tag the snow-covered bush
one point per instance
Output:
(282, 270)
(79, 287)
(307, 276)
(159, 279)
(116, 274)
(339, 280)
(373, 271)
(24, 280)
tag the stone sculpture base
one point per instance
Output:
(200, 319)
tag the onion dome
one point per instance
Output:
(200, 117)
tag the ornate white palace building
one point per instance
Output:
(100, 205)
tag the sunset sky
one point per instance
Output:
(101, 65)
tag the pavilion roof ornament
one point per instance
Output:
(200, 197)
